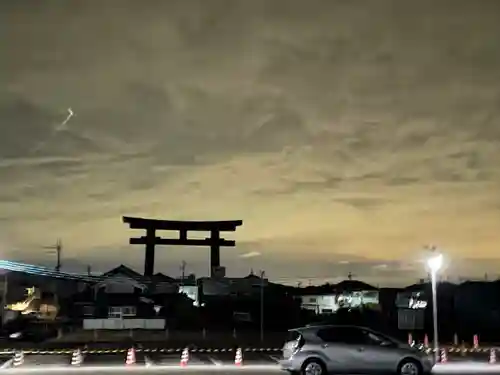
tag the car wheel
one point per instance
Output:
(313, 367)
(410, 367)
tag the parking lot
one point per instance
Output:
(151, 358)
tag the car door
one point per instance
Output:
(380, 353)
(342, 347)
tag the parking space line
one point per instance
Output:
(214, 361)
(274, 358)
(7, 364)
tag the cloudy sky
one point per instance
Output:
(346, 134)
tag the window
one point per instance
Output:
(121, 311)
(114, 312)
(344, 335)
(129, 311)
(352, 336)
(373, 338)
(293, 336)
(88, 310)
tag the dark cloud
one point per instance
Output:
(310, 121)
(24, 124)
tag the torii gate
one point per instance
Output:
(215, 242)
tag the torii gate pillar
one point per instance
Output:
(150, 240)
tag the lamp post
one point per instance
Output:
(262, 274)
(434, 263)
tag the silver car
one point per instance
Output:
(319, 350)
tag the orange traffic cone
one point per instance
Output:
(18, 359)
(130, 357)
(493, 356)
(77, 358)
(444, 356)
(238, 358)
(475, 341)
(185, 357)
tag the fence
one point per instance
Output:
(120, 324)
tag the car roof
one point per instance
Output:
(321, 326)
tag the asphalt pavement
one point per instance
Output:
(219, 370)
(153, 359)
(5, 361)
(202, 363)
(173, 359)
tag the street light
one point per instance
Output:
(262, 274)
(435, 262)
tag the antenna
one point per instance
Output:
(58, 250)
(89, 270)
(183, 271)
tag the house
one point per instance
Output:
(36, 291)
(232, 286)
(328, 298)
(122, 293)
(190, 287)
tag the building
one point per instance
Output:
(232, 286)
(123, 293)
(329, 298)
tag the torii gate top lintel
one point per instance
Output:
(221, 226)
(215, 242)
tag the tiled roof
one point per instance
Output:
(354, 285)
(125, 271)
(162, 277)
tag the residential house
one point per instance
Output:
(329, 298)
(232, 286)
(123, 293)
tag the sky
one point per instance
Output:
(347, 135)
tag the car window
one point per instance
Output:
(372, 338)
(342, 335)
(293, 336)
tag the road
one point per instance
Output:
(158, 359)
(202, 370)
(173, 358)
(200, 363)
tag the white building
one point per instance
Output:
(350, 294)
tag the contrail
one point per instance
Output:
(62, 125)
(58, 128)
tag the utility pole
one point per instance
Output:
(262, 274)
(58, 250)
(89, 270)
(4, 296)
(183, 271)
